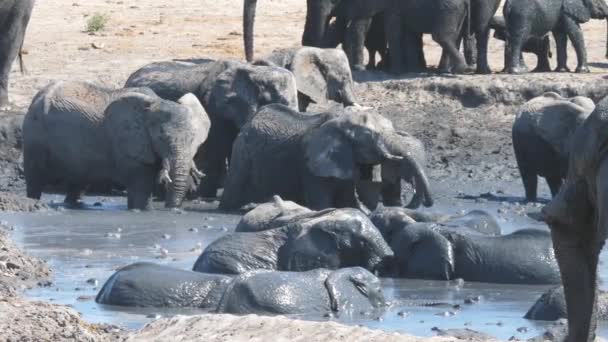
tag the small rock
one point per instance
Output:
(97, 45)
(166, 236)
(522, 330)
(193, 230)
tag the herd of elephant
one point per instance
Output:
(317, 236)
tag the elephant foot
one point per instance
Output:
(517, 70)
(544, 68)
(582, 69)
(483, 69)
(358, 67)
(562, 69)
(462, 69)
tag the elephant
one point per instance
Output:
(551, 306)
(273, 214)
(577, 218)
(542, 133)
(14, 19)
(541, 47)
(230, 91)
(332, 239)
(481, 14)
(432, 251)
(146, 284)
(393, 172)
(81, 133)
(322, 75)
(346, 291)
(313, 159)
(536, 18)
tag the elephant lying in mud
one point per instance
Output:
(542, 134)
(551, 306)
(320, 291)
(332, 239)
(322, 75)
(313, 160)
(80, 133)
(578, 222)
(230, 91)
(431, 251)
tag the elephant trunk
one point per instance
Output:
(248, 24)
(180, 169)
(421, 181)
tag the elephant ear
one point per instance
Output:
(127, 128)
(311, 76)
(328, 153)
(577, 10)
(558, 123)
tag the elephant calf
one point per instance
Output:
(332, 239)
(542, 133)
(320, 291)
(551, 306)
(432, 251)
(80, 133)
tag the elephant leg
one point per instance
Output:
(238, 184)
(74, 194)
(578, 41)
(526, 166)
(449, 45)
(561, 41)
(554, 182)
(517, 38)
(34, 166)
(393, 29)
(357, 31)
(318, 193)
(482, 52)
(212, 157)
(471, 50)
(10, 44)
(391, 194)
(140, 188)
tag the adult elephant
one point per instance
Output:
(322, 75)
(14, 18)
(542, 133)
(145, 284)
(313, 160)
(536, 18)
(389, 188)
(431, 251)
(333, 239)
(551, 306)
(80, 133)
(230, 91)
(578, 222)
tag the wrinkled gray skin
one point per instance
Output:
(271, 215)
(332, 239)
(347, 291)
(389, 189)
(80, 133)
(578, 222)
(322, 75)
(541, 47)
(535, 18)
(551, 306)
(433, 251)
(145, 284)
(230, 91)
(542, 133)
(14, 18)
(313, 160)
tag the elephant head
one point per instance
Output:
(147, 130)
(341, 145)
(353, 284)
(323, 75)
(583, 10)
(338, 238)
(240, 89)
(579, 224)
(270, 215)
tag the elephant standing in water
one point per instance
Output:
(14, 18)
(314, 160)
(578, 220)
(80, 133)
(542, 134)
(230, 91)
(333, 239)
(319, 292)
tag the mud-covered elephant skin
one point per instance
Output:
(230, 91)
(535, 18)
(322, 75)
(542, 133)
(343, 292)
(145, 284)
(273, 214)
(389, 189)
(443, 252)
(14, 19)
(541, 47)
(311, 159)
(578, 222)
(334, 239)
(79, 133)
(551, 306)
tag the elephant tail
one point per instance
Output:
(248, 25)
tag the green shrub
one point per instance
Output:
(97, 22)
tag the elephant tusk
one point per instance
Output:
(393, 157)
(163, 177)
(358, 107)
